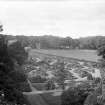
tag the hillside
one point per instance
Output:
(42, 63)
(54, 42)
(48, 60)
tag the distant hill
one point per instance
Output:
(54, 42)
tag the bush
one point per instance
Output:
(74, 96)
(25, 87)
(50, 85)
(37, 79)
(97, 80)
(39, 86)
(11, 79)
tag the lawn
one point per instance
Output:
(39, 86)
(89, 55)
(44, 98)
(52, 98)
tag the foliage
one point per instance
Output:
(97, 80)
(37, 79)
(11, 77)
(1, 27)
(95, 97)
(53, 42)
(17, 52)
(74, 96)
(50, 85)
(101, 52)
(61, 74)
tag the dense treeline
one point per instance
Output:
(53, 42)
(13, 80)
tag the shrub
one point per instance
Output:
(37, 79)
(74, 96)
(11, 59)
(50, 85)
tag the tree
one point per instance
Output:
(1, 28)
(10, 77)
(37, 79)
(61, 74)
(74, 96)
(50, 85)
(17, 52)
(101, 52)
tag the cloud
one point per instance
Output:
(73, 17)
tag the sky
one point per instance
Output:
(74, 18)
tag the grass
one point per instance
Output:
(89, 55)
(52, 98)
(35, 99)
(44, 98)
(39, 86)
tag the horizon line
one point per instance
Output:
(53, 35)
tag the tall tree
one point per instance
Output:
(17, 52)
(61, 74)
(98, 96)
(101, 52)
(10, 77)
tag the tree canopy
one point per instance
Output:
(11, 77)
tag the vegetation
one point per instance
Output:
(61, 74)
(74, 96)
(101, 52)
(37, 79)
(52, 98)
(53, 42)
(11, 74)
(50, 85)
(13, 80)
(86, 55)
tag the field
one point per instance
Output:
(88, 55)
